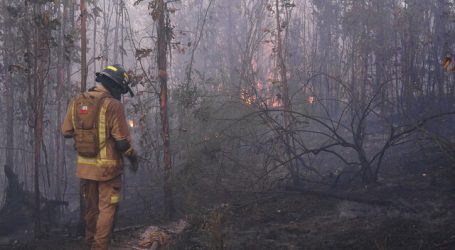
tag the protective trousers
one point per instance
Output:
(102, 198)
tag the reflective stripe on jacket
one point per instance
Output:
(113, 127)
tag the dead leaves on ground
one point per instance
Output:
(159, 235)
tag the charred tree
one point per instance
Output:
(163, 38)
(19, 209)
(14, 201)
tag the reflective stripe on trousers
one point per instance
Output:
(102, 198)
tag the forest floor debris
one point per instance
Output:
(155, 237)
(18, 210)
(422, 220)
(283, 219)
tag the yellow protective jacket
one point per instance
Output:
(112, 127)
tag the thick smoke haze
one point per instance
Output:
(336, 109)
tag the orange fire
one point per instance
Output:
(247, 98)
(276, 103)
(311, 99)
(131, 123)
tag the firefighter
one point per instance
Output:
(96, 121)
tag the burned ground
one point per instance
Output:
(412, 212)
(419, 215)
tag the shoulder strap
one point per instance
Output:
(101, 131)
(76, 120)
(99, 104)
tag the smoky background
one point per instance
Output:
(262, 95)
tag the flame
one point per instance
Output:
(311, 99)
(446, 62)
(259, 85)
(276, 103)
(247, 98)
(131, 123)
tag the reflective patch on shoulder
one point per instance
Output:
(115, 199)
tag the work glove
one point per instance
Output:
(132, 157)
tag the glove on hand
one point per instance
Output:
(132, 157)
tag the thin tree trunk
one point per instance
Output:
(231, 32)
(122, 30)
(162, 42)
(117, 15)
(71, 20)
(41, 64)
(83, 46)
(9, 93)
(59, 91)
(284, 93)
(27, 34)
(95, 25)
(106, 23)
(67, 22)
(81, 226)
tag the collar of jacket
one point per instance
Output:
(100, 88)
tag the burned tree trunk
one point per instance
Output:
(14, 200)
(162, 43)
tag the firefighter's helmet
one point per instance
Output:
(118, 75)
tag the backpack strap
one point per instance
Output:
(76, 120)
(100, 142)
(98, 106)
